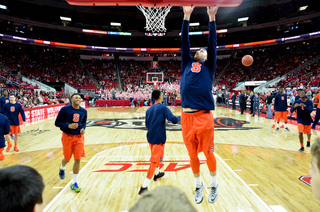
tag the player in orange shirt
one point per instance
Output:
(317, 117)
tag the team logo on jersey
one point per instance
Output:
(196, 67)
(12, 109)
(220, 124)
(7, 101)
(306, 180)
(76, 117)
(282, 97)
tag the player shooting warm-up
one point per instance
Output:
(197, 102)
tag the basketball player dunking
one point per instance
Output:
(72, 121)
(197, 101)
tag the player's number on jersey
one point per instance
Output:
(76, 117)
(196, 67)
(12, 109)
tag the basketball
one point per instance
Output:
(247, 60)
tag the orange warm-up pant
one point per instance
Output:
(306, 129)
(198, 136)
(157, 152)
(281, 115)
(72, 145)
(14, 129)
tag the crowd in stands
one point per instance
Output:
(272, 63)
(45, 65)
(171, 92)
(104, 72)
(54, 65)
(30, 98)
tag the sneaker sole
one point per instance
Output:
(75, 190)
(202, 194)
(213, 200)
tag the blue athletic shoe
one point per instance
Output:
(287, 129)
(277, 129)
(11, 136)
(61, 174)
(75, 187)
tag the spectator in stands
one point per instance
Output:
(163, 198)
(316, 102)
(251, 102)
(242, 102)
(269, 105)
(256, 104)
(234, 97)
(21, 189)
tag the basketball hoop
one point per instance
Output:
(155, 17)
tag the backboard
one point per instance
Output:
(157, 3)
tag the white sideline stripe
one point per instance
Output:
(277, 208)
(245, 184)
(95, 156)
(67, 186)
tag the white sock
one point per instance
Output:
(213, 181)
(197, 181)
(62, 167)
(286, 125)
(75, 178)
(157, 171)
(277, 125)
(146, 182)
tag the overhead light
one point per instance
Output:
(4, 7)
(115, 24)
(243, 19)
(303, 8)
(222, 30)
(65, 18)
(195, 24)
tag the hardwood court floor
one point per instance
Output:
(258, 167)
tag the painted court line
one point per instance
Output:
(99, 155)
(67, 186)
(277, 208)
(245, 184)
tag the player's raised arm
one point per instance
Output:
(212, 40)
(185, 42)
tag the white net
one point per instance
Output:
(155, 18)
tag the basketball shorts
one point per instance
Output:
(14, 129)
(306, 129)
(281, 115)
(157, 152)
(198, 131)
(73, 145)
